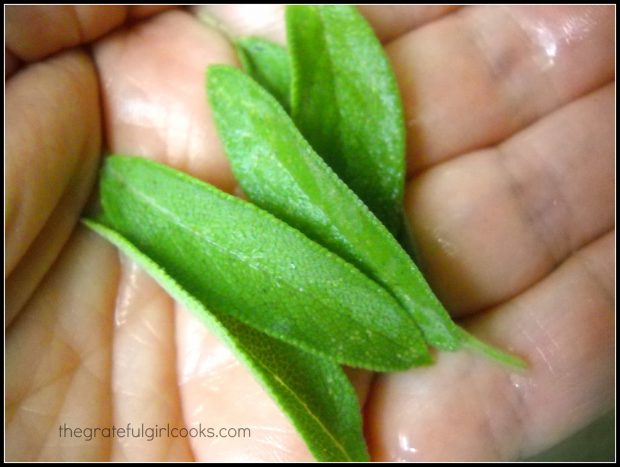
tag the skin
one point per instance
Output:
(510, 115)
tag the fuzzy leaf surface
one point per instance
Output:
(346, 103)
(313, 391)
(241, 260)
(268, 63)
(280, 172)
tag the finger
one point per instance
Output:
(144, 377)
(477, 76)
(144, 11)
(52, 150)
(154, 96)
(49, 241)
(37, 31)
(11, 63)
(157, 107)
(267, 21)
(245, 20)
(392, 21)
(491, 223)
(467, 408)
(217, 389)
(58, 358)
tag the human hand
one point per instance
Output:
(510, 118)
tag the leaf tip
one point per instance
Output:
(509, 360)
(218, 72)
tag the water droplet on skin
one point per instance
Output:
(404, 443)
(552, 36)
(446, 246)
(549, 43)
(521, 383)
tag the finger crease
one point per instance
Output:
(554, 243)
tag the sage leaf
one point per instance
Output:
(346, 103)
(268, 63)
(281, 173)
(472, 342)
(313, 391)
(239, 259)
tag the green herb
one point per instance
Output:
(313, 391)
(315, 279)
(281, 173)
(345, 101)
(268, 63)
(343, 226)
(244, 262)
(473, 343)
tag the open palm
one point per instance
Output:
(510, 118)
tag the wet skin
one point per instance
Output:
(510, 197)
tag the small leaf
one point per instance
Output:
(268, 63)
(281, 173)
(346, 102)
(242, 261)
(313, 391)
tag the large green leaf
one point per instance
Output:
(268, 63)
(280, 172)
(242, 261)
(346, 103)
(313, 391)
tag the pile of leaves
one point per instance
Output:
(310, 275)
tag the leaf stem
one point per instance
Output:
(506, 359)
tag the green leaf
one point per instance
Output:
(473, 343)
(268, 63)
(313, 391)
(281, 173)
(241, 260)
(346, 102)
